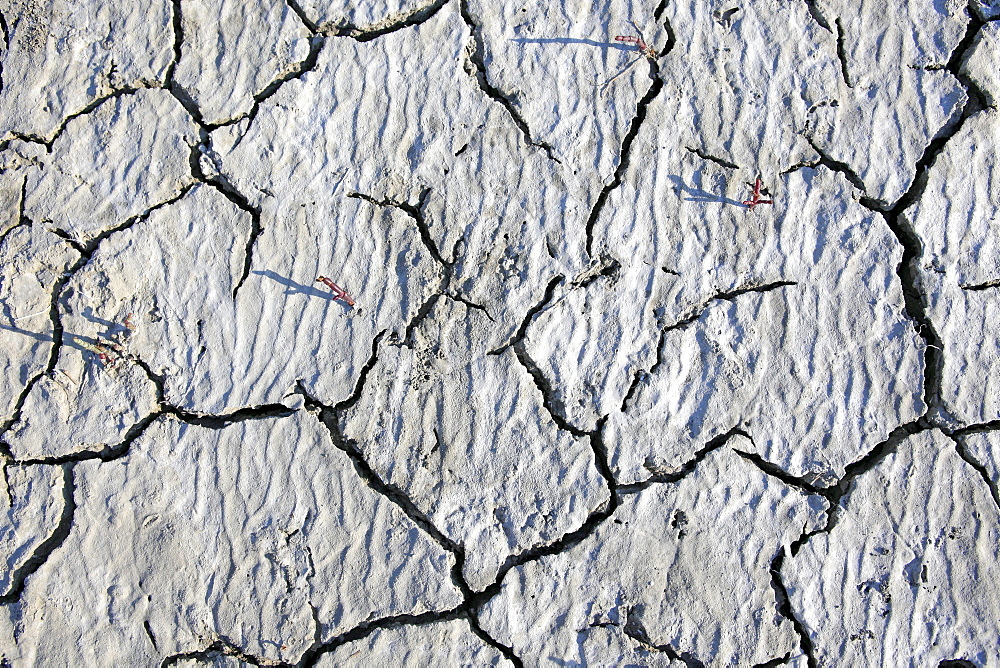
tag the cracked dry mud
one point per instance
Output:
(588, 408)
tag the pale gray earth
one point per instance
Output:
(578, 404)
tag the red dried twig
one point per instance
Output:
(755, 200)
(645, 50)
(110, 350)
(338, 292)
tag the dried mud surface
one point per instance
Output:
(457, 332)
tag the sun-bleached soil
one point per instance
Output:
(488, 333)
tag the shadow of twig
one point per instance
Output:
(699, 195)
(296, 288)
(572, 40)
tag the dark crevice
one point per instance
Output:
(219, 648)
(835, 166)
(963, 452)
(842, 53)
(660, 8)
(638, 377)
(117, 451)
(979, 428)
(785, 609)
(86, 250)
(635, 630)
(50, 544)
(88, 108)
(476, 67)
(805, 164)
(711, 158)
(530, 315)
(159, 382)
(224, 420)
(633, 131)
(471, 305)
(22, 219)
(975, 102)
(362, 631)
(766, 287)
(222, 184)
(572, 538)
(550, 402)
(909, 275)
(676, 475)
(773, 663)
(367, 34)
(775, 471)
(7, 463)
(299, 70)
(507, 652)
(70, 239)
(330, 418)
(57, 336)
(177, 23)
(359, 386)
(626, 148)
(817, 15)
(107, 453)
(700, 310)
(995, 283)
(671, 35)
(915, 303)
(416, 212)
(296, 8)
(149, 634)
(978, 100)
(185, 98)
(659, 352)
(421, 315)
(88, 247)
(835, 494)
